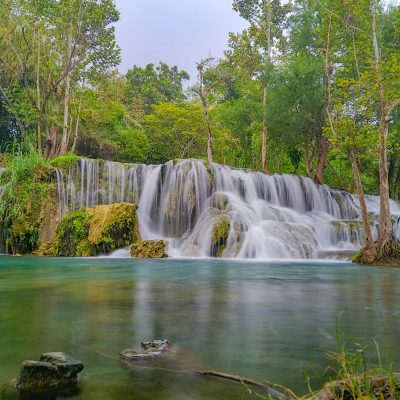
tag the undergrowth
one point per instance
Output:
(22, 186)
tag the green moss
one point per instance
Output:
(65, 162)
(149, 249)
(73, 229)
(26, 184)
(219, 235)
(386, 254)
(98, 230)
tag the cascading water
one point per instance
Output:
(215, 210)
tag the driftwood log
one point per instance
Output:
(273, 390)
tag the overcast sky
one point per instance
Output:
(178, 32)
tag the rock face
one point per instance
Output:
(149, 350)
(98, 230)
(149, 249)
(220, 233)
(53, 371)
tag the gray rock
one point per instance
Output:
(149, 350)
(53, 372)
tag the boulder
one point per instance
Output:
(219, 235)
(53, 372)
(97, 230)
(149, 350)
(149, 249)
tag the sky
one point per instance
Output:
(177, 32)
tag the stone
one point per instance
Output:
(219, 235)
(149, 350)
(149, 249)
(53, 372)
(97, 230)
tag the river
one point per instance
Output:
(272, 321)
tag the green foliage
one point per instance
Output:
(64, 162)
(23, 186)
(152, 85)
(176, 131)
(73, 229)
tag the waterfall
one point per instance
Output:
(260, 216)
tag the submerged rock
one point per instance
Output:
(149, 350)
(98, 230)
(54, 372)
(149, 249)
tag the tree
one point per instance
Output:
(267, 19)
(363, 92)
(152, 85)
(45, 47)
(208, 80)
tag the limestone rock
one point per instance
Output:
(149, 249)
(219, 236)
(53, 372)
(98, 230)
(149, 350)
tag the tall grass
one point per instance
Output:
(22, 160)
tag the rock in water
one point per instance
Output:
(149, 249)
(53, 372)
(149, 350)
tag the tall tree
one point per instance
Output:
(151, 85)
(45, 46)
(267, 21)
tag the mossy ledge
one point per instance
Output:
(149, 249)
(92, 231)
(387, 254)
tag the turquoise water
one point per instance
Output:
(270, 321)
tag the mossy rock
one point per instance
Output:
(387, 254)
(73, 229)
(65, 162)
(149, 249)
(98, 230)
(46, 249)
(219, 235)
(24, 232)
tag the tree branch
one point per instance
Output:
(281, 393)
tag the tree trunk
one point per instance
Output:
(38, 103)
(322, 159)
(51, 135)
(307, 158)
(368, 238)
(264, 166)
(64, 140)
(76, 134)
(385, 220)
(208, 128)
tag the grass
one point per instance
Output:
(22, 187)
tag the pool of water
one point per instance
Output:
(272, 321)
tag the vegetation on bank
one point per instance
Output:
(29, 212)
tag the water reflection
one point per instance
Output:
(274, 321)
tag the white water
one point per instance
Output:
(270, 216)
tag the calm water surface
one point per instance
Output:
(265, 320)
